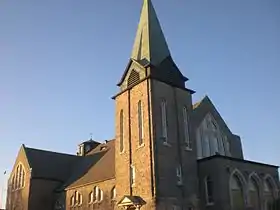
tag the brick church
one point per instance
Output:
(168, 153)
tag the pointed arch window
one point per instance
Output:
(268, 194)
(97, 194)
(186, 128)
(121, 131)
(140, 123)
(163, 109)
(209, 190)
(253, 194)
(76, 199)
(18, 178)
(237, 196)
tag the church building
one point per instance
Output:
(168, 153)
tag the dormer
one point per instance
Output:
(87, 146)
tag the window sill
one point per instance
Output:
(210, 204)
(180, 183)
(188, 149)
(141, 146)
(166, 144)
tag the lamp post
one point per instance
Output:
(3, 191)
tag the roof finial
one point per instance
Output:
(90, 136)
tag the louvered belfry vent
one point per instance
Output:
(133, 78)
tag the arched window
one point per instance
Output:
(186, 128)
(140, 123)
(133, 78)
(76, 199)
(209, 190)
(97, 194)
(253, 194)
(18, 179)
(211, 138)
(268, 194)
(163, 110)
(72, 200)
(113, 193)
(91, 197)
(236, 192)
(121, 131)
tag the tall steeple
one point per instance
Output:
(150, 51)
(150, 43)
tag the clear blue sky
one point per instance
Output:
(60, 61)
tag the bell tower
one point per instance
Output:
(155, 154)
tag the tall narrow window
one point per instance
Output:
(140, 123)
(215, 143)
(221, 145)
(227, 146)
(132, 175)
(163, 121)
(186, 128)
(179, 175)
(121, 132)
(72, 200)
(91, 197)
(209, 190)
(206, 146)
(113, 193)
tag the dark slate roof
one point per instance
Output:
(98, 165)
(217, 156)
(71, 170)
(50, 165)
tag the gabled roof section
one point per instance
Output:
(204, 107)
(150, 43)
(129, 200)
(98, 165)
(50, 165)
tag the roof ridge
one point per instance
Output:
(58, 153)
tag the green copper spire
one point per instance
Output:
(150, 43)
